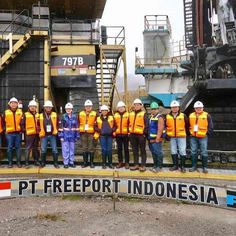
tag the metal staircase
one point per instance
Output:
(189, 24)
(111, 56)
(16, 49)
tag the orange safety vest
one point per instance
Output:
(202, 123)
(99, 124)
(1, 129)
(136, 122)
(13, 120)
(89, 120)
(175, 126)
(31, 123)
(42, 132)
(122, 122)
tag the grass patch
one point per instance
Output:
(71, 197)
(48, 216)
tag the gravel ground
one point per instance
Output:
(74, 215)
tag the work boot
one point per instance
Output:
(175, 162)
(91, 160)
(154, 161)
(142, 168)
(194, 163)
(9, 157)
(36, 162)
(85, 159)
(110, 161)
(55, 159)
(135, 167)
(119, 165)
(18, 158)
(204, 162)
(27, 158)
(182, 161)
(205, 171)
(43, 159)
(103, 161)
(126, 166)
(160, 161)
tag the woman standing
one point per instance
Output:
(69, 132)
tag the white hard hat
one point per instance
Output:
(120, 104)
(48, 104)
(69, 105)
(13, 99)
(32, 103)
(174, 104)
(198, 104)
(88, 103)
(137, 101)
(104, 108)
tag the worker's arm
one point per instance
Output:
(210, 125)
(146, 124)
(161, 126)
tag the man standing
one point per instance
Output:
(156, 128)
(201, 126)
(30, 121)
(122, 123)
(87, 119)
(138, 128)
(176, 126)
(12, 124)
(48, 123)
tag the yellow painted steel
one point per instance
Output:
(46, 69)
(119, 173)
(65, 50)
(72, 71)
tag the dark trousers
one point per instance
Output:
(123, 141)
(32, 143)
(138, 141)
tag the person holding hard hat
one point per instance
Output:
(12, 121)
(138, 129)
(176, 126)
(105, 127)
(201, 126)
(48, 124)
(87, 119)
(156, 129)
(68, 134)
(30, 121)
(122, 129)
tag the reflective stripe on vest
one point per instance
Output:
(175, 126)
(13, 120)
(202, 123)
(53, 116)
(31, 123)
(122, 122)
(87, 119)
(136, 122)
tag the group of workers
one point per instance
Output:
(134, 127)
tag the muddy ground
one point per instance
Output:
(75, 215)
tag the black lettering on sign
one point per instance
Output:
(47, 185)
(193, 193)
(33, 187)
(23, 185)
(148, 188)
(137, 187)
(76, 185)
(211, 196)
(171, 190)
(106, 186)
(116, 185)
(129, 186)
(57, 186)
(160, 189)
(85, 184)
(182, 191)
(96, 186)
(202, 194)
(67, 186)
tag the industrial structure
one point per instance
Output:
(57, 50)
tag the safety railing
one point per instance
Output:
(113, 35)
(157, 23)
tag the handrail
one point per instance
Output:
(115, 35)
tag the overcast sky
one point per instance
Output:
(131, 14)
